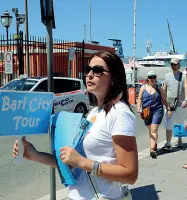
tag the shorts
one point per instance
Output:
(178, 117)
(157, 116)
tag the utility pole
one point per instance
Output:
(84, 33)
(48, 19)
(49, 28)
(134, 48)
(90, 20)
(27, 39)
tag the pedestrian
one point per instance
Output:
(174, 87)
(110, 145)
(152, 97)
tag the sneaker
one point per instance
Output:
(167, 147)
(179, 145)
(153, 154)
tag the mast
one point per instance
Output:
(148, 45)
(134, 47)
(172, 46)
(90, 20)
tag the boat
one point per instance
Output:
(162, 58)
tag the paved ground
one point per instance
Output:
(163, 178)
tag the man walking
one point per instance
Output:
(175, 88)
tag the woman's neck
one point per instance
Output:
(152, 85)
(100, 101)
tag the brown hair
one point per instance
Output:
(118, 86)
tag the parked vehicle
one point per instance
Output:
(70, 93)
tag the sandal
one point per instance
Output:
(185, 166)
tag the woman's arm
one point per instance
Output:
(165, 102)
(139, 103)
(45, 158)
(30, 153)
(165, 87)
(126, 170)
(163, 97)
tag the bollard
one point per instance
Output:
(132, 95)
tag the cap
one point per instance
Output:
(175, 61)
(151, 73)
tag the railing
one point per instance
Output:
(38, 57)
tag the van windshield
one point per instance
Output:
(20, 85)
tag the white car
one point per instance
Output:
(70, 93)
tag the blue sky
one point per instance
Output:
(111, 19)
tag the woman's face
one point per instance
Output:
(151, 79)
(98, 78)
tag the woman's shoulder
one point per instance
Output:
(143, 87)
(122, 116)
(121, 107)
(92, 111)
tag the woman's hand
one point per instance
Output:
(29, 150)
(169, 113)
(139, 110)
(184, 104)
(71, 157)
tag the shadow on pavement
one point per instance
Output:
(147, 192)
(174, 149)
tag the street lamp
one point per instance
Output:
(6, 21)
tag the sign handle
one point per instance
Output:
(19, 157)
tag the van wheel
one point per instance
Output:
(80, 108)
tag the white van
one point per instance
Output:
(70, 93)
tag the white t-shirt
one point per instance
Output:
(98, 146)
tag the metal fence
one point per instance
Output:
(37, 55)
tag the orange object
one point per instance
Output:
(132, 95)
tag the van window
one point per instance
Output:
(63, 85)
(42, 87)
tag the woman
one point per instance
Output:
(110, 144)
(153, 96)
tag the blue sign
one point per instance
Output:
(179, 130)
(24, 113)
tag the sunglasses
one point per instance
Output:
(97, 70)
(172, 64)
(151, 77)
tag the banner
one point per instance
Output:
(24, 113)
